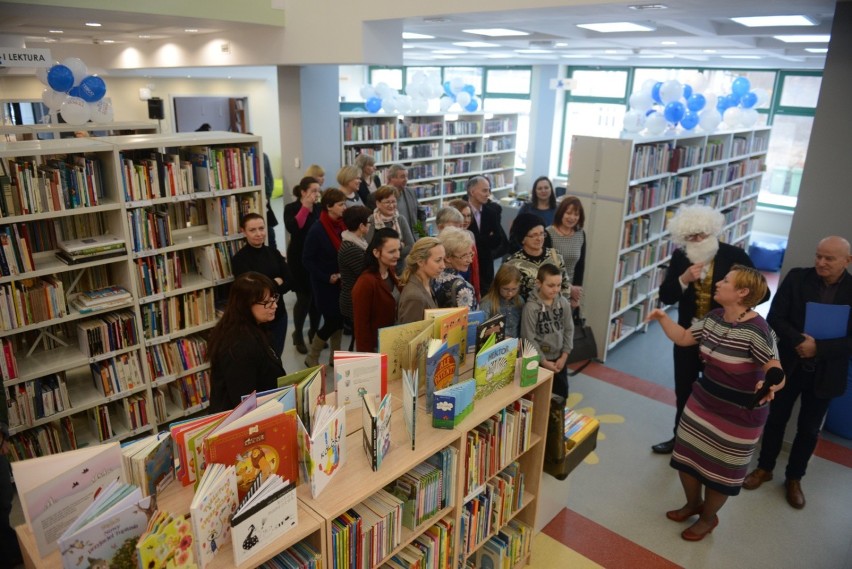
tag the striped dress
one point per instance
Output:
(717, 433)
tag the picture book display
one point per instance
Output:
(452, 404)
(54, 490)
(494, 367)
(409, 403)
(211, 509)
(474, 319)
(394, 341)
(168, 543)
(149, 462)
(310, 388)
(375, 420)
(418, 347)
(357, 374)
(323, 449)
(530, 361)
(106, 533)
(495, 325)
(450, 326)
(267, 512)
(442, 367)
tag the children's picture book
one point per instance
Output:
(495, 325)
(211, 509)
(417, 349)
(530, 359)
(474, 319)
(185, 468)
(494, 367)
(409, 403)
(442, 367)
(168, 543)
(267, 512)
(394, 340)
(324, 447)
(106, 533)
(453, 404)
(149, 462)
(376, 420)
(55, 489)
(310, 390)
(356, 374)
(450, 326)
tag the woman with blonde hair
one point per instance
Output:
(425, 261)
(316, 172)
(450, 288)
(369, 183)
(349, 180)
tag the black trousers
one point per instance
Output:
(687, 367)
(11, 553)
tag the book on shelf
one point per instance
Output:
(494, 367)
(450, 326)
(149, 463)
(409, 404)
(105, 534)
(442, 367)
(211, 509)
(419, 489)
(495, 325)
(323, 448)
(168, 542)
(474, 319)
(452, 404)
(417, 347)
(266, 513)
(530, 361)
(90, 245)
(182, 431)
(357, 373)
(310, 390)
(375, 422)
(50, 501)
(394, 341)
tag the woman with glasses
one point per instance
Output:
(387, 215)
(376, 292)
(259, 257)
(528, 231)
(450, 288)
(472, 274)
(569, 240)
(242, 359)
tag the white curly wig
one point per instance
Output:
(692, 219)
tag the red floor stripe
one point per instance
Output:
(601, 545)
(834, 452)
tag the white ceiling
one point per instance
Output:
(696, 33)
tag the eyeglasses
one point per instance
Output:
(271, 302)
(536, 235)
(387, 202)
(465, 256)
(696, 237)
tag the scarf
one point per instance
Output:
(332, 228)
(356, 239)
(392, 222)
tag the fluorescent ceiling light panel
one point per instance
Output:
(648, 7)
(499, 56)
(709, 51)
(495, 32)
(610, 27)
(190, 30)
(93, 24)
(475, 44)
(413, 36)
(532, 51)
(574, 56)
(741, 57)
(817, 49)
(772, 21)
(668, 43)
(448, 51)
(55, 31)
(804, 38)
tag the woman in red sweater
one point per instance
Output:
(376, 291)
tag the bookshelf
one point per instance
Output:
(440, 151)
(80, 377)
(642, 182)
(11, 133)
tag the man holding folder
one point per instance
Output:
(810, 315)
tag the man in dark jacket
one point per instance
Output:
(690, 281)
(816, 368)
(487, 229)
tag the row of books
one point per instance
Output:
(8, 361)
(225, 168)
(651, 194)
(650, 160)
(422, 150)
(461, 147)
(498, 125)
(33, 400)
(430, 549)
(31, 301)
(16, 255)
(176, 356)
(636, 231)
(420, 490)
(56, 185)
(376, 131)
(419, 128)
(136, 411)
(491, 508)
(54, 437)
(146, 175)
(224, 213)
(493, 162)
(368, 532)
(507, 548)
(686, 157)
(107, 333)
(117, 375)
(459, 166)
(499, 143)
(176, 313)
(150, 228)
(191, 390)
(381, 153)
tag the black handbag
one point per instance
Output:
(561, 456)
(585, 347)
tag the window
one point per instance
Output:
(507, 90)
(390, 75)
(599, 83)
(800, 90)
(470, 75)
(515, 81)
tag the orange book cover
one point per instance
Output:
(268, 446)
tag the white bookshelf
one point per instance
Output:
(12, 133)
(630, 187)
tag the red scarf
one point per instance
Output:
(332, 228)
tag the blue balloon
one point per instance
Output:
(722, 104)
(472, 106)
(449, 92)
(92, 89)
(689, 120)
(650, 112)
(674, 111)
(740, 86)
(696, 102)
(748, 100)
(687, 91)
(75, 92)
(733, 99)
(373, 104)
(60, 78)
(469, 89)
(655, 92)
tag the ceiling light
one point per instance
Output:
(449, 51)
(190, 30)
(709, 51)
(532, 51)
(668, 43)
(560, 44)
(443, 57)
(55, 32)
(93, 24)
(574, 56)
(495, 32)
(475, 44)
(657, 56)
(107, 41)
(609, 27)
(770, 21)
(499, 56)
(741, 57)
(144, 36)
(413, 36)
(49, 40)
(804, 38)
(817, 49)
(648, 7)
(611, 51)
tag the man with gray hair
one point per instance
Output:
(695, 267)
(407, 203)
(487, 228)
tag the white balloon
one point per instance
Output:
(698, 82)
(655, 123)
(52, 99)
(419, 78)
(446, 103)
(748, 117)
(102, 111)
(733, 117)
(463, 99)
(641, 101)
(671, 91)
(403, 104)
(41, 74)
(77, 67)
(419, 105)
(634, 120)
(762, 97)
(456, 85)
(74, 110)
(383, 91)
(647, 86)
(709, 119)
(710, 100)
(389, 104)
(367, 92)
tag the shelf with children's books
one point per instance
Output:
(643, 183)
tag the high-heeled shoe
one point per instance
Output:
(690, 535)
(683, 514)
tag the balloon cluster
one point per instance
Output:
(417, 95)
(76, 95)
(659, 105)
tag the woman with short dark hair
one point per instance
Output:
(375, 294)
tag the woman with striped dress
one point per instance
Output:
(718, 431)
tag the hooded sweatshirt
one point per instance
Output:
(549, 328)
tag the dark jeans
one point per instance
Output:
(811, 414)
(687, 367)
(11, 553)
(304, 308)
(560, 382)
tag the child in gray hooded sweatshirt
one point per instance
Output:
(547, 323)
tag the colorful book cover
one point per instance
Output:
(530, 359)
(453, 404)
(418, 347)
(474, 319)
(168, 544)
(310, 390)
(211, 509)
(451, 327)
(149, 462)
(442, 367)
(185, 469)
(357, 374)
(394, 340)
(324, 449)
(495, 325)
(375, 420)
(494, 367)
